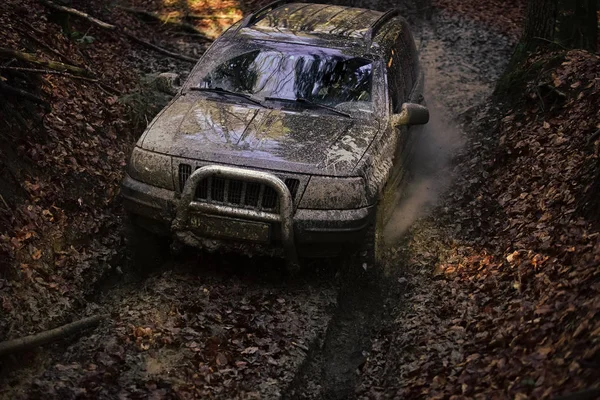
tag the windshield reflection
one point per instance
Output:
(328, 79)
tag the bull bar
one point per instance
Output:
(285, 216)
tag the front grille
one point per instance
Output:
(185, 171)
(236, 192)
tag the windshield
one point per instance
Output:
(318, 77)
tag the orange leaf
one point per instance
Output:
(37, 254)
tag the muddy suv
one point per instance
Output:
(290, 136)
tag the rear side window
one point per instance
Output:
(395, 76)
(410, 57)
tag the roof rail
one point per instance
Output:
(252, 18)
(380, 22)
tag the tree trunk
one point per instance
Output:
(578, 24)
(540, 23)
(568, 23)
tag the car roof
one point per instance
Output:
(320, 24)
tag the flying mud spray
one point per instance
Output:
(430, 172)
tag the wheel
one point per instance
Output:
(146, 250)
(373, 244)
(365, 262)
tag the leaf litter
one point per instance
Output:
(499, 285)
(499, 300)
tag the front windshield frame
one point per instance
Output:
(229, 49)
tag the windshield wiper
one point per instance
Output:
(312, 103)
(229, 92)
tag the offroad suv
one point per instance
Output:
(290, 136)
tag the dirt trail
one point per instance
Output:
(461, 60)
(229, 327)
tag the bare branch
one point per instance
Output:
(110, 27)
(13, 91)
(30, 58)
(28, 342)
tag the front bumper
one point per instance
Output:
(314, 233)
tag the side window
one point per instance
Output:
(396, 84)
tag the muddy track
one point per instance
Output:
(461, 60)
(232, 327)
(331, 369)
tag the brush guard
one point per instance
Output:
(284, 216)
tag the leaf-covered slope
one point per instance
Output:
(503, 294)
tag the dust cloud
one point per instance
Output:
(430, 173)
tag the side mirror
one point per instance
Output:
(411, 114)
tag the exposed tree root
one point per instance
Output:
(114, 28)
(28, 342)
(54, 65)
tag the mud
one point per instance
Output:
(197, 326)
(233, 327)
(462, 60)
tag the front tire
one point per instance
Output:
(146, 250)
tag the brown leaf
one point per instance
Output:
(221, 359)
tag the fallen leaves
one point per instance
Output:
(166, 337)
(504, 16)
(512, 311)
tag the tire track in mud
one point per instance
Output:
(331, 369)
(461, 60)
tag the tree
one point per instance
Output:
(567, 23)
(564, 24)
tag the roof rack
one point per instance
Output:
(252, 18)
(380, 22)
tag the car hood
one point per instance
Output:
(323, 144)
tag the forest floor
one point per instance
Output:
(491, 283)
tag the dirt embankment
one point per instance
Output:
(499, 286)
(60, 163)
(73, 99)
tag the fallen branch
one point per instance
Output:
(28, 342)
(188, 34)
(107, 26)
(30, 35)
(109, 89)
(593, 138)
(5, 203)
(13, 91)
(30, 58)
(159, 49)
(165, 20)
(78, 13)
(48, 72)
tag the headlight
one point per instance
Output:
(151, 168)
(323, 193)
